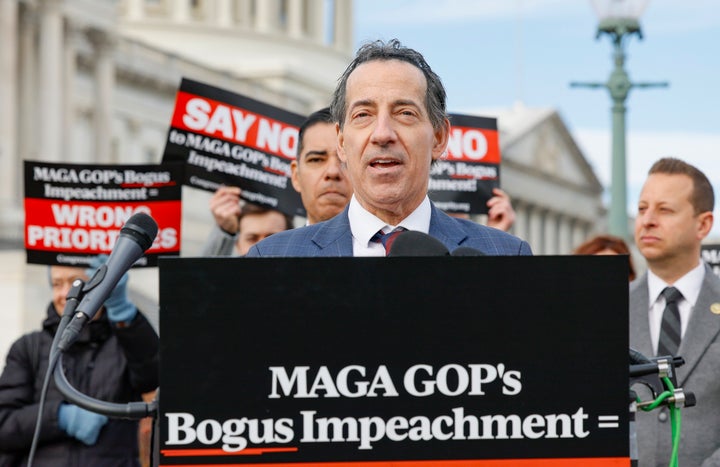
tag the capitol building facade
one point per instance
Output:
(94, 81)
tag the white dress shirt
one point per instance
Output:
(688, 285)
(364, 225)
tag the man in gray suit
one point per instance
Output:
(391, 125)
(675, 213)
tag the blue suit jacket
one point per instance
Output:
(333, 238)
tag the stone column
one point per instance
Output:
(579, 232)
(295, 18)
(267, 15)
(135, 9)
(565, 243)
(49, 127)
(28, 106)
(223, 13)
(72, 39)
(180, 10)
(520, 226)
(550, 233)
(244, 13)
(104, 85)
(9, 169)
(316, 20)
(536, 231)
(343, 33)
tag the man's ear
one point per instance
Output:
(294, 176)
(705, 223)
(340, 144)
(441, 136)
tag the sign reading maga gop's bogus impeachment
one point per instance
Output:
(446, 361)
(75, 211)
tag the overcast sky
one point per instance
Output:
(493, 53)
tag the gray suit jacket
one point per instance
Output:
(700, 347)
(333, 238)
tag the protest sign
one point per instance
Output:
(711, 255)
(75, 211)
(463, 180)
(226, 138)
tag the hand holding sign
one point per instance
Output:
(225, 208)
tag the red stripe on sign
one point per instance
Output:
(93, 227)
(584, 462)
(147, 185)
(221, 452)
(205, 116)
(473, 145)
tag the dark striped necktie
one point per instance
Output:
(388, 238)
(670, 330)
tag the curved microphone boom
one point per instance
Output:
(135, 237)
(414, 243)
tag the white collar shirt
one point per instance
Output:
(689, 286)
(364, 225)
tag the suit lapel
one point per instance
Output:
(639, 317)
(334, 237)
(444, 229)
(703, 327)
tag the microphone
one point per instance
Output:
(135, 237)
(637, 358)
(466, 251)
(414, 243)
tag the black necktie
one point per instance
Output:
(388, 238)
(670, 330)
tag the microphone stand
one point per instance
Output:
(130, 410)
(660, 376)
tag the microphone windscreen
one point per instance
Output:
(414, 243)
(467, 251)
(141, 228)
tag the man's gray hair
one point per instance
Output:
(435, 96)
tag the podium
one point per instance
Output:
(437, 361)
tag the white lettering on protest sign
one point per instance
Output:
(350, 381)
(353, 381)
(182, 429)
(237, 433)
(467, 144)
(237, 125)
(86, 176)
(91, 227)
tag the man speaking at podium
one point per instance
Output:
(392, 124)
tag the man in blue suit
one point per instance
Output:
(392, 124)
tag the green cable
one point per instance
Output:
(675, 422)
(657, 401)
(675, 418)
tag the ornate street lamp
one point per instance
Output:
(619, 19)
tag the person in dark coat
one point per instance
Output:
(115, 359)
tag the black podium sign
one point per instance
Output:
(442, 361)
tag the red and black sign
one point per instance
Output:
(502, 361)
(710, 253)
(229, 139)
(75, 211)
(463, 180)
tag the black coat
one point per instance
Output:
(108, 363)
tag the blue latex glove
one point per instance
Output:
(80, 423)
(118, 306)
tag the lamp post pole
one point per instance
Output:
(618, 85)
